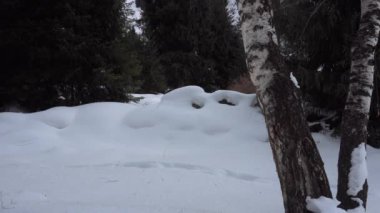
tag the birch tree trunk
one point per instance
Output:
(352, 168)
(298, 163)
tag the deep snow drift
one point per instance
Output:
(186, 151)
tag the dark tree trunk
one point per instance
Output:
(374, 117)
(352, 181)
(298, 163)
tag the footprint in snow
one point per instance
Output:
(183, 166)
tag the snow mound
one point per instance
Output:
(328, 205)
(58, 117)
(323, 205)
(186, 151)
(197, 98)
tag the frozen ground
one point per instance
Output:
(161, 155)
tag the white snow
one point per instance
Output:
(161, 155)
(323, 205)
(358, 172)
(294, 80)
(148, 99)
(328, 205)
(320, 68)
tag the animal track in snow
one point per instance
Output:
(183, 166)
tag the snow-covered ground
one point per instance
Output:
(177, 153)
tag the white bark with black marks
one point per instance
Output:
(257, 31)
(352, 191)
(298, 163)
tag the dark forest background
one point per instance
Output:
(70, 52)
(73, 52)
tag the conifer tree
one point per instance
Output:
(195, 42)
(63, 52)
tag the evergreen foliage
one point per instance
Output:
(64, 52)
(316, 38)
(195, 42)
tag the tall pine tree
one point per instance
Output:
(195, 42)
(63, 52)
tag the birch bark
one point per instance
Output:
(352, 182)
(298, 163)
